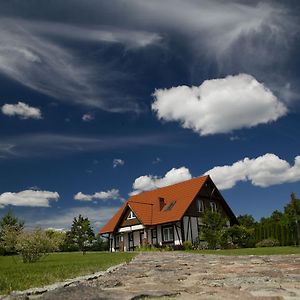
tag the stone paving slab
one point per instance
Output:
(180, 275)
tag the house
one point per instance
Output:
(166, 216)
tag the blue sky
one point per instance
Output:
(106, 98)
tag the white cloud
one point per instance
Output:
(87, 117)
(22, 110)
(118, 162)
(263, 171)
(63, 219)
(219, 105)
(110, 194)
(157, 160)
(28, 198)
(35, 55)
(150, 182)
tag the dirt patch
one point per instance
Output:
(178, 275)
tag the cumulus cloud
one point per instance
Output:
(219, 105)
(28, 198)
(118, 162)
(87, 117)
(110, 194)
(151, 182)
(263, 171)
(22, 110)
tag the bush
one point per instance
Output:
(187, 245)
(33, 245)
(237, 236)
(212, 230)
(8, 240)
(268, 243)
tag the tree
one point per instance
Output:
(10, 228)
(246, 221)
(213, 227)
(292, 217)
(57, 238)
(32, 245)
(81, 234)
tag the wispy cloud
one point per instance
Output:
(63, 219)
(22, 110)
(32, 53)
(34, 145)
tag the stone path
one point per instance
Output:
(178, 275)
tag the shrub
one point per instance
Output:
(33, 245)
(237, 236)
(213, 228)
(8, 240)
(187, 245)
(268, 243)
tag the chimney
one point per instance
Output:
(161, 203)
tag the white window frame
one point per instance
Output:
(168, 234)
(131, 215)
(200, 205)
(213, 206)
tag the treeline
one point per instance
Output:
(283, 227)
(280, 229)
(33, 244)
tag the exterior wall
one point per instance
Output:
(177, 234)
(191, 231)
(159, 235)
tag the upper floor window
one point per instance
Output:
(213, 206)
(200, 205)
(131, 215)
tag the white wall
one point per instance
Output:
(177, 237)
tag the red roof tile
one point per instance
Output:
(146, 205)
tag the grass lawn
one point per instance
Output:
(252, 251)
(15, 275)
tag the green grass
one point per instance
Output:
(15, 275)
(252, 251)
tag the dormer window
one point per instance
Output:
(131, 215)
(200, 205)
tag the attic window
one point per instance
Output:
(131, 215)
(170, 205)
(200, 205)
(213, 206)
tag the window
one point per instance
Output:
(170, 205)
(118, 240)
(130, 236)
(168, 234)
(200, 205)
(131, 215)
(213, 206)
(154, 233)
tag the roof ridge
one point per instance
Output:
(181, 182)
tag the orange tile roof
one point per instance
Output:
(146, 205)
